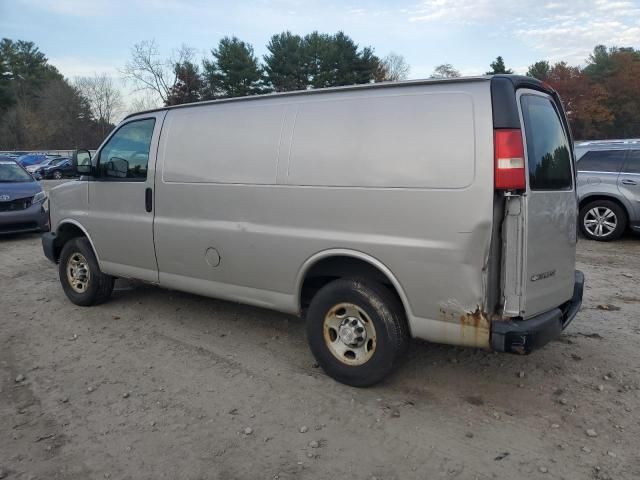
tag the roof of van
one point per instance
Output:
(517, 80)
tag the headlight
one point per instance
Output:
(39, 197)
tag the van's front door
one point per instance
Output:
(120, 219)
(546, 213)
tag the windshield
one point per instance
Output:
(11, 172)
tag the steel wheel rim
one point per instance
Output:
(600, 221)
(349, 334)
(78, 274)
(57, 175)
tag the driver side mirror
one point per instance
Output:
(81, 161)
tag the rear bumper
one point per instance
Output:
(524, 336)
(32, 219)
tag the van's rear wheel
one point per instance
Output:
(602, 220)
(80, 276)
(356, 330)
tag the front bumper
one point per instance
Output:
(32, 219)
(524, 336)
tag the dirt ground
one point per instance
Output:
(160, 384)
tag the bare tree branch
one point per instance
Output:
(147, 70)
(105, 100)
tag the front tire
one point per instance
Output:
(357, 331)
(57, 175)
(80, 276)
(603, 220)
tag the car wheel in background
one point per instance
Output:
(57, 175)
(602, 220)
(356, 330)
(80, 276)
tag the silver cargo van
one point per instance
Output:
(440, 210)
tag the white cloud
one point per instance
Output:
(559, 30)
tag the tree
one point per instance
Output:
(445, 70)
(24, 69)
(234, 70)
(334, 60)
(318, 52)
(539, 70)
(39, 109)
(144, 102)
(188, 85)
(366, 66)
(617, 71)
(105, 100)
(78, 129)
(149, 72)
(584, 101)
(284, 65)
(392, 68)
(497, 67)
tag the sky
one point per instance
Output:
(83, 37)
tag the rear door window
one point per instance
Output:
(633, 162)
(548, 150)
(601, 161)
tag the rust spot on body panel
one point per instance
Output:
(475, 326)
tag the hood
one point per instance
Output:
(13, 190)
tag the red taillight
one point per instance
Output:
(509, 160)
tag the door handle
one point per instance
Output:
(148, 199)
(628, 182)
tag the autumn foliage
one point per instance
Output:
(602, 99)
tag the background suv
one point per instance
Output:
(608, 187)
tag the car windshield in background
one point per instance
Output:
(547, 146)
(10, 171)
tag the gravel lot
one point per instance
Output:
(161, 384)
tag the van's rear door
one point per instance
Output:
(551, 204)
(539, 235)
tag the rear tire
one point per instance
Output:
(357, 331)
(57, 175)
(80, 276)
(602, 220)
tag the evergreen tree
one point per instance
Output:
(188, 85)
(318, 52)
(539, 70)
(234, 70)
(285, 64)
(497, 67)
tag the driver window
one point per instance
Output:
(126, 154)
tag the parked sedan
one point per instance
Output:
(35, 168)
(21, 200)
(56, 168)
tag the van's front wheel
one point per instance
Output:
(356, 330)
(80, 276)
